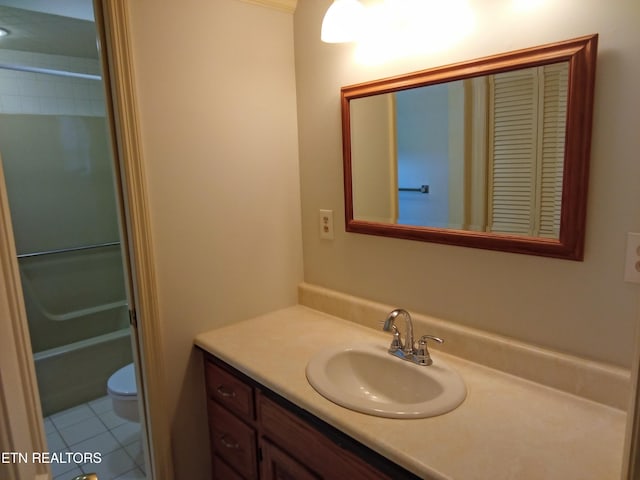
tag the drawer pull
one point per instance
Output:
(225, 392)
(227, 444)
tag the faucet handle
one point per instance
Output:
(422, 354)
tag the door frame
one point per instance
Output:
(22, 428)
(631, 454)
(21, 424)
(112, 22)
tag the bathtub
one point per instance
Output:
(78, 372)
(78, 322)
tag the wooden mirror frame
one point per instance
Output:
(581, 54)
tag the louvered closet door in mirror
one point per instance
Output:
(527, 110)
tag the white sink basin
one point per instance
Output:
(365, 378)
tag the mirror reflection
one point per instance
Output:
(490, 153)
(479, 154)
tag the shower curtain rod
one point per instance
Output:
(49, 71)
(65, 250)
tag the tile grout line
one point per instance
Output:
(136, 468)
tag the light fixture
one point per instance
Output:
(3, 32)
(342, 21)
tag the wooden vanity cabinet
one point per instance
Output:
(256, 434)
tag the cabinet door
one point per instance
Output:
(307, 445)
(277, 465)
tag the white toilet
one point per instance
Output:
(123, 391)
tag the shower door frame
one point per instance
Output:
(22, 428)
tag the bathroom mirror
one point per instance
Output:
(491, 153)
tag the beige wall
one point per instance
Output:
(582, 308)
(216, 93)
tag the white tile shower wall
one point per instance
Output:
(43, 94)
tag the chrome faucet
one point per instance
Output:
(407, 345)
(407, 350)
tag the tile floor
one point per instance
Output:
(93, 427)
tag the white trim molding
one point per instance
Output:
(138, 245)
(288, 6)
(21, 427)
(631, 458)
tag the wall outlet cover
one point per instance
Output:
(326, 224)
(632, 263)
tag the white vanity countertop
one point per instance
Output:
(507, 428)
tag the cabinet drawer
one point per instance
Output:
(229, 391)
(222, 471)
(310, 447)
(233, 440)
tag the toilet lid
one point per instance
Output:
(123, 382)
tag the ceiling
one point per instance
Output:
(82, 9)
(35, 31)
